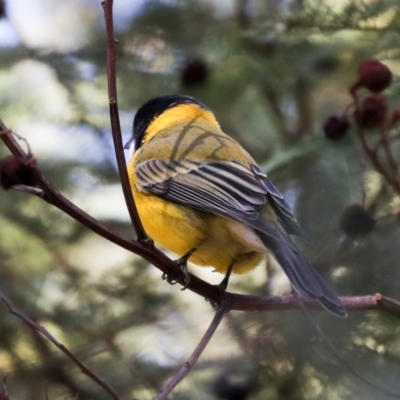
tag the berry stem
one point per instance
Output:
(372, 153)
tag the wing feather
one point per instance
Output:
(230, 189)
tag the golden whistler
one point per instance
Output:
(199, 193)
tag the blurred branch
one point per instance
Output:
(302, 94)
(115, 123)
(185, 369)
(242, 14)
(40, 329)
(4, 393)
(55, 370)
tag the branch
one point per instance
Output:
(161, 261)
(38, 328)
(4, 393)
(388, 150)
(144, 249)
(115, 124)
(392, 180)
(376, 302)
(186, 368)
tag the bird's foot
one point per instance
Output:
(224, 283)
(165, 277)
(182, 264)
(221, 303)
(222, 286)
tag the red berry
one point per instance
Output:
(195, 72)
(396, 114)
(335, 127)
(355, 221)
(373, 111)
(224, 388)
(374, 75)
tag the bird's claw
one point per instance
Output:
(182, 264)
(186, 276)
(165, 277)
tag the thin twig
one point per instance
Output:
(115, 123)
(4, 391)
(372, 154)
(393, 181)
(391, 160)
(30, 190)
(185, 369)
(42, 330)
(383, 141)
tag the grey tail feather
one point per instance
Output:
(302, 276)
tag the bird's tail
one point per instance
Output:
(302, 276)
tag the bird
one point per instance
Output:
(202, 196)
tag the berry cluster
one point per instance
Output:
(369, 111)
(375, 77)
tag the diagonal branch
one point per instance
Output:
(42, 330)
(188, 365)
(154, 256)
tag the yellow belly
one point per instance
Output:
(169, 224)
(180, 229)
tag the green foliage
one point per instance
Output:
(277, 69)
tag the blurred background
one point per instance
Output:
(273, 71)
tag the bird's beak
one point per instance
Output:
(129, 144)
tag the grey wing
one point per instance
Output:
(280, 206)
(234, 191)
(229, 189)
